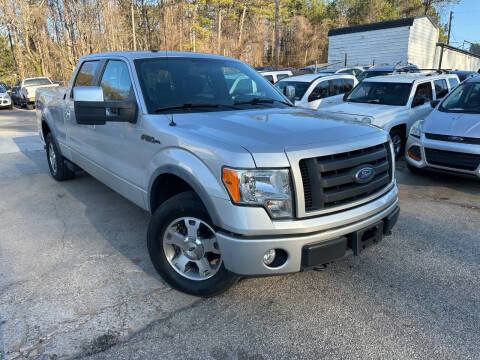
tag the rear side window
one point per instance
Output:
(116, 82)
(441, 88)
(269, 78)
(453, 82)
(348, 83)
(86, 74)
(424, 90)
(338, 87)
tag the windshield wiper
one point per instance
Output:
(260, 101)
(193, 106)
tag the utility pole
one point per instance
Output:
(133, 30)
(449, 27)
(276, 45)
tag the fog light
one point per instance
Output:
(269, 257)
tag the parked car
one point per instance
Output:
(16, 96)
(386, 70)
(265, 68)
(392, 103)
(237, 183)
(315, 91)
(5, 99)
(275, 76)
(463, 74)
(449, 138)
(28, 88)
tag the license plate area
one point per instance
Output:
(364, 238)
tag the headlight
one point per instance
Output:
(268, 188)
(416, 129)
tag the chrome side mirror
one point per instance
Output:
(88, 93)
(290, 93)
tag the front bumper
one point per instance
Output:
(422, 162)
(244, 255)
(4, 102)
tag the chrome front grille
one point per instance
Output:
(329, 181)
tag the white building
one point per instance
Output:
(405, 41)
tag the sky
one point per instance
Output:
(466, 22)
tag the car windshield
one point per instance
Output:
(382, 93)
(171, 84)
(301, 87)
(464, 99)
(37, 82)
(372, 73)
(3, 88)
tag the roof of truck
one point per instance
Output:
(408, 77)
(155, 53)
(313, 77)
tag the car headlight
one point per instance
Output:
(268, 188)
(416, 129)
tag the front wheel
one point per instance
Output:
(398, 140)
(29, 106)
(184, 250)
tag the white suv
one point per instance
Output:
(318, 90)
(393, 102)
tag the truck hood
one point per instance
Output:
(455, 124)
(357, 111)
(268, 133)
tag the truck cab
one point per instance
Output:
(238, 182)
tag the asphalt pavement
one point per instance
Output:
(76, 281)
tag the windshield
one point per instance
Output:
(174, 82)
(369, 74)
(37, 82)
(301, 87)
(464, 99)
(383, 93)
(3, 88)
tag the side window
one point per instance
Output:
(424, 91)
(320, 91)
(337, 87)
(453, 82)
(86, 74)
(116, 82)
(269, 78)
(348, 84)
(441, 88)
(281, 76)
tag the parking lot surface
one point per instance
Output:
(76, 280)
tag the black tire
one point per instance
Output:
(29, 106)
(10, 107)
(186, 204)
(414, 169)
(60, 171)
(398, 135)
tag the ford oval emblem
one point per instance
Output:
(364, 174)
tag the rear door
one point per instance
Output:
(79, 136)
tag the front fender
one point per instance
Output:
(194, 172)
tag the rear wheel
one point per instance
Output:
(56, 162)
(29, 106)
(184, 250)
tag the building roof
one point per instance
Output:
(376, 26)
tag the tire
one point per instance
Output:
(398, 139)
(56, 163)
(414, 169)
(10, 107)
(29, 106)
(172, 217)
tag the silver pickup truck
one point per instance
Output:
(239, 182)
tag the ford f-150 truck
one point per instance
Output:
(239, 182)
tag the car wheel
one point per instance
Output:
(29, 106)
(183, 247)
(414, 169)
(56, 163)
(10, 107)
(398, 140)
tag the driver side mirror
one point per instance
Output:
(91, 109)
(434, 103)
(290, 93)
(417, 101)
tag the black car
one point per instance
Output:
(464, 74)
(16, 97)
